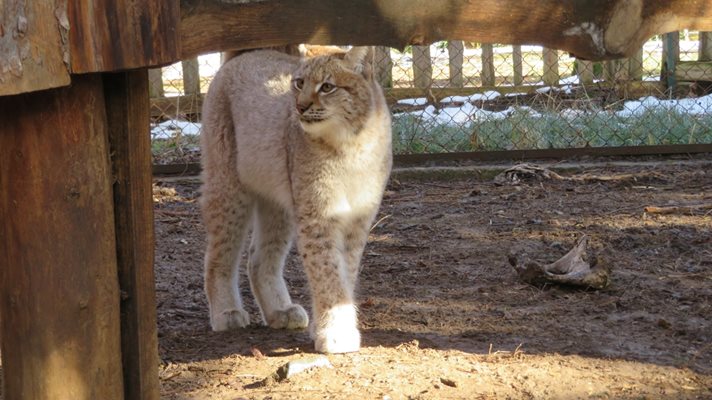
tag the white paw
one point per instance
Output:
(336, 331)
(338, 341)
(229, 319)
(294, 317)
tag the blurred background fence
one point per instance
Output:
(466, 97)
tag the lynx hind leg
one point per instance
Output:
(226, 214)
(335, 325)
(271, 240)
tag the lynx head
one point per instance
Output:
(334, 93)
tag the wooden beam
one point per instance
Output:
(127, 109)
(59, 294)
(112, 35)
(590, 29)
(33, 51)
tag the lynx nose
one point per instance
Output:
(302, 107)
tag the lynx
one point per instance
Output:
(293, 147)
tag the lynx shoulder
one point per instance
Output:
(293, 148)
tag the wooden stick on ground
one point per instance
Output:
(677, 209)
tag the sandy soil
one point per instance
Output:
(444, 316)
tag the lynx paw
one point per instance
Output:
(338, 340)
(229, 319)
(293, 317)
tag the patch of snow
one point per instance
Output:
(421, 101)
(173, 127)
(488, 95)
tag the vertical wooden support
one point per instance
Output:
(517, 65)
(550, 75)
(584, 70)
(617, 70)
(635, 66)
(59, 292)
(191, 76)
(671, 54)
(422, 67)
(155, 82)
(705, 51)
(456, 53)
(487, 72)
(384, 66)
(127, 109)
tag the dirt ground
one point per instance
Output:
(444, 316)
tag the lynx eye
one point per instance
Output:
(327, 88)
(298, 83)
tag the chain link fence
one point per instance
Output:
(460, 97)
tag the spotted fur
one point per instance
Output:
(293, 148)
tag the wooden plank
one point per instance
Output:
(487, 73)
(694, 71)
(671, 55)
(600, 29)
(384, 66)
(127, 106)
(191, 76)
(550, 74)
(456, 55)
(59, 292)
(705, 50)
(33, 53)
(155, 82)
(422, 67)
(111, 35)
(635, 65)
(517, 65)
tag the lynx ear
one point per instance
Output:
(361, 60)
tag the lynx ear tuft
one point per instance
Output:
(361, 60)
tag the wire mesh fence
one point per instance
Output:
(457, 97)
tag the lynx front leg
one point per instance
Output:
(355, 238)
(271, 239)
(226, 218)
(335, 326)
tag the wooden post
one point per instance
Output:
(617, 70)
(705, 51)
(550, 76)
(155, 81)
(191, 76)
(584, 70)
(635, 66)
(59, 292)
(487, 72)
(127, 109)
(422, 67)
(456, 54)
(517, 65)
(384, 66)
(671, 54)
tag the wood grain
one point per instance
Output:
(590, 29)
(33, 52)
(59, 295)
(127, 109)
(112, 35)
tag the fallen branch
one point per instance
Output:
(677, 209)
(524, 172)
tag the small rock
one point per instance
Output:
(295, 367)
(448, 382)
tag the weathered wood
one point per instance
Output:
(635, 66)
(584, 70)
(111, 35)
(155, 82)
(487, 74)
(671, 55)
(59, 292)
(127, 109)
(550, 75)
(693, 71)
(191, 76)
(422, 67)
(517, 65)
(33, 51)
(456, 54)
(705, 51)
(599, 29)
(384, 66)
